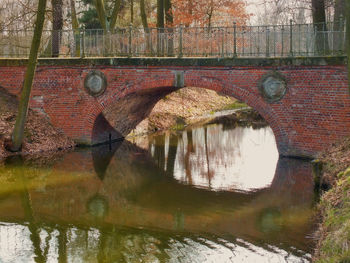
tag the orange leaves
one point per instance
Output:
(209, 13)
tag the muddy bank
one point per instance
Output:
(334, 207)
(40, 136)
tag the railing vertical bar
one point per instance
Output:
(307, 40)
(82, 44)
(180, 41)
(282, 40)
(250, 42)
(267, 42)
(130, 41)
(291, 37)
(299, 38)
(243, 44)
(274, 41)
(325, 39)
(258, 42)
(196, 39)
(234, 39)
(222, 42)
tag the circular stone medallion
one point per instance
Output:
(273, 86)
(95, 83)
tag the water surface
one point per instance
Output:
(217, 193)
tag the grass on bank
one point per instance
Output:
(335, 229)
(235, 105)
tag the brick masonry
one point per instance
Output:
(313, 114)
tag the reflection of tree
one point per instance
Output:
(187, 157)
(32, 226)
(159, 152)
(102, 253)
(173, 141)
(210, 174)
(62, 245)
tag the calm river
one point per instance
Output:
(216, 193)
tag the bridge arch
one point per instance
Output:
(149, 92)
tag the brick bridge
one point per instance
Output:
(305, 100)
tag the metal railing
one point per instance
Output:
(236, 41)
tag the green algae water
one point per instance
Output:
(216, 193)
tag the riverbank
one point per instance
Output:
(40, 136)
(184, 107)
(334, 207)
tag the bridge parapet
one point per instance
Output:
(264, 41)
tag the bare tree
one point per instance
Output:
(18, 132)
(319, 20)
(57, 25)
(339, 16)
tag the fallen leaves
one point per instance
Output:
(40, 135)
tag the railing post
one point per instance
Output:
(180, 41)
(130, 40)
(274, 41)
(341, 31)
(282, 39)
(222, 43)
(82, 43)
(267, 42)
(291, 37)
(234, 39)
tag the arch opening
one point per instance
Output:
(125, 112)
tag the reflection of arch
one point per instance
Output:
(101, 157)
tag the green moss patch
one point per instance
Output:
(334, 243)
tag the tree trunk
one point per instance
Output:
(18, 132)
(319, 19)
(338, 35)
(132, 12)
(160, 13)
(348, 37)
(75, 27)
(143, 14)
(114, 15)
(75, 23)
(101, 13)
(169, 19)
(145, 25)
(160, 26)
(57, 24)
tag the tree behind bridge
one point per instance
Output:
(319, 19)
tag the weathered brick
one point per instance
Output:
(314, 113)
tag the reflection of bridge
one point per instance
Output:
(82, 210)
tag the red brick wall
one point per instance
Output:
(314, 113)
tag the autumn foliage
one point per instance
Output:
(209, 13)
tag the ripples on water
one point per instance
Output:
(210, 194)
